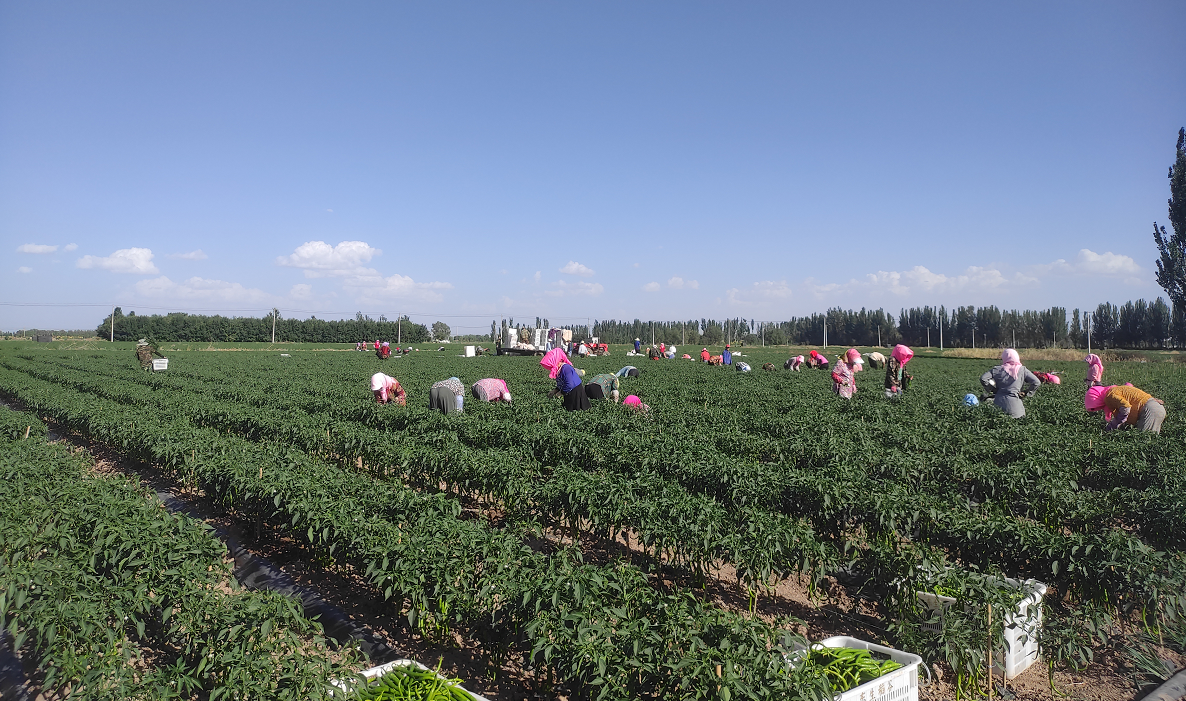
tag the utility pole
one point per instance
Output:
(274, 311)
(879, 335)
(113, 323)
(1087, 318)
(399, 330)
(940, 335)
(825, 325)
(928, 337)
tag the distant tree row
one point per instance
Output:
(181, 327)
(1136, 324)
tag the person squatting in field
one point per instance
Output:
(896, 377)
(844, 381)
(628, 371)
(1007, 383)
(1095, 371)
(793, 363)
(388, 390)
(144, 353)
(876, 360)
(1124, 405)
(447, 396)
(816, 360)
(604, 386)
(704, 356)
(491, 389)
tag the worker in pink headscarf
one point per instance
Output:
(844, 381)
(1095, 371)
(1007, 383)
(1125, 405)
(793, 363)
(552, 360)
(896, 377)
(635, 403)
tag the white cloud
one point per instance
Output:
(24, 269)
(1088, 262)
(679, 283)
(561, 288)
(575, 268)
(537, 276)
(192, 255)
(765, 290)
(35, 248)
(70, 247)
(319, 259)
(301, 292)
(651, 287)
(395, 287)
(636, 265)
(137, 261)
(202, 290)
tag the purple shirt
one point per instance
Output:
(568, 379)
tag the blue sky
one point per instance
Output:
(605, 160)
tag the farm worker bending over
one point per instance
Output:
(635, 403)
(844, 380)
(1008, 381)
(568, 383)
(447, 396)
(491, 390)
(704, 354)
(1125, 405)
(1095, 371)
(637, 346)
(387, 389)
(604, 386)
(552, 361)
(628, 371)
(726, 356)
(144, 353)
(876, 360)
(815, 360)
(793, 363)
(896, 377)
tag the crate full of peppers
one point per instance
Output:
(404, 680)
(863, 671)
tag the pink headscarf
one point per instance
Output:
(902, 354)
(635, 403)
(553, 359)
(1094, 400)
(1095, 367)
(1011, 362)
(852, 355)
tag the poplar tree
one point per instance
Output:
(1171, 268)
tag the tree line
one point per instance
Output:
(1137, 324)
(182, 327)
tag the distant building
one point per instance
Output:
(43, 338)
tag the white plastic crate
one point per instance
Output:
(899, 685)
(160, 363)
(470, 351)
(376, 672)
(1021, 631)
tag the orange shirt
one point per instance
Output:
(1122, 396)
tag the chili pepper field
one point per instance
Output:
(766, 474)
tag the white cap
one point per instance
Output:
(506, 396)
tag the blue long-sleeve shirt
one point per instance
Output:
(568, 379)
(727, 357)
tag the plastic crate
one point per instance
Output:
(1021, 627)
(899, 685)
(376, 672)
(160, 364)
